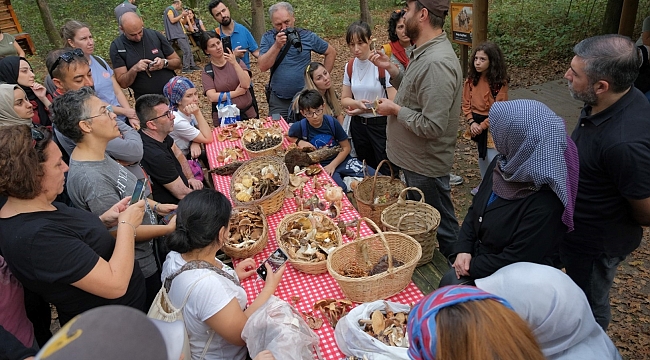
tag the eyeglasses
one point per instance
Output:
(37, 135)
(313, 113)
(67, 57)
(167, 113)
(107, 111)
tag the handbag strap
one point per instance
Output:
(199, 264)
(279, 59)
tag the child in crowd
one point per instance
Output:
(317, 130)
(486, 83)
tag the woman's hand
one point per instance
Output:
(165, 209)
(171, 226)
(109, 218)
(230, 57)
(302, 144)
(238, 92)
(245, 268)
(475, 129)
(273, 278)
(133, 214)
(195, 150)
(461, 265)
(329, 169)
(192, 109)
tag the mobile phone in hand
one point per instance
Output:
(167, 218)
(138, 192)
(370, 105)
(275, 117)
(227, 43)
(277, 258)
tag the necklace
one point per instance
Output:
(363, 70)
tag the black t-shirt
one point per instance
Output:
(125, 52)
(162, 166)
(49, 250)
(614, 151)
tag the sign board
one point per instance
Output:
(461, 23)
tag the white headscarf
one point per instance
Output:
(8, 115)
(555, 309)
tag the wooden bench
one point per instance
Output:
(9, 24)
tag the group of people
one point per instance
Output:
(545, 200)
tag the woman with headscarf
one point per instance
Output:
(555, 309)
(466, 323)
(17, 70)
(525, 203)
(190, 127)
(15, 108)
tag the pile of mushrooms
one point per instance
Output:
(310, 238)
(253, 187)
(333, 309)
(246, 227)
(387, 327)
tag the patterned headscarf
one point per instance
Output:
(421, 327)
(175, 89)
(534, 150)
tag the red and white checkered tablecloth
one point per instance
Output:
(310, 288)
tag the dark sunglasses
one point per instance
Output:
(37, 135)
(67, 57)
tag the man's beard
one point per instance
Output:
(226, 21)
(588, 96)
(411, 29)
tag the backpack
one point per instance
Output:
(382, 75)
(303, 127)
(101, 62)
(642, 81)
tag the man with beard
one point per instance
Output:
(423, 119)
(613, 143)
(241, 39)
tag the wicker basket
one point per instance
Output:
(266, 152)
(269, 203)
(307, 267)
(383, 285)
(369, 187)
(416, 219)
(239, 253)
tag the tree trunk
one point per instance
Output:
(612, 17)
(48, 23)
(257, 12)
(365, 12)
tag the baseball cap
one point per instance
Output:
(115, 332)
(439, 8)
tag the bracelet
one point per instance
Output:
(155, 207)
(297, 142)
(134, 232)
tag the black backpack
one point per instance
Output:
(642, 81)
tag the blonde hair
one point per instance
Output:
(484, 330)
(332, 104)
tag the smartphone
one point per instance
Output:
(138, 192)
(227, 43)
(277, 258)
(370, 105)
(275, 117)
(167, 218)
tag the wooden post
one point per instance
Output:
(480, 20)
(628, 16)
(463, 59)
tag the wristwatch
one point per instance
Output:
(166, 63)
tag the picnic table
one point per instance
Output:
(309, 288)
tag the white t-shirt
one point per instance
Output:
(210, 295)
(184, 131)
(365, 82)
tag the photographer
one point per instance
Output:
(296, 45)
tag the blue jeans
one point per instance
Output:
(437, 193)
(594, 275)
(349, 167)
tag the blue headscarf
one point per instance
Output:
(175, 89)
(421, 326)
(534, 150)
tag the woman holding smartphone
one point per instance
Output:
(215, 312)
(96, 181)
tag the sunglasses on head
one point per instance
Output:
(37, 135)
(67, 57)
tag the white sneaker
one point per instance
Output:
(455, 180)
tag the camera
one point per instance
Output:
(293, 38)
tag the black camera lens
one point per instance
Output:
(293, 37)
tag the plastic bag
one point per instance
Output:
(227, 111)
(278, 327)
(352, 341)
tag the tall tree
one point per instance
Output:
(365, 12)
(258, 27)
(48, 23)
(612, 16)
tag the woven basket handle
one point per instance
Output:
(381, 236)
(402, 195)
(374, 181)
